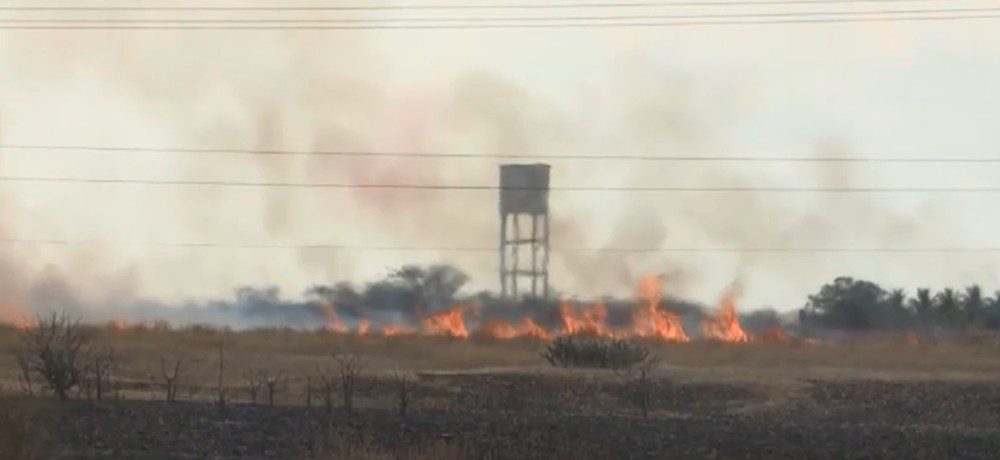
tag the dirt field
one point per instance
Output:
(497, 399)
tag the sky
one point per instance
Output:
(880, 89)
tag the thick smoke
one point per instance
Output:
(326, 92)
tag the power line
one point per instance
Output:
(522, 6)
(468, 187)
(429, 155)
(356, 248)
(642, 17)
(554, 25)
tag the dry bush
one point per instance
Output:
(404, 385)
(19, 434)
(595, 353)
(169, 377)
(351, 368)
(262, 379)
(254, 383)
(24, 373)
(99, 374)
(54, 348)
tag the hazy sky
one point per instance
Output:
(902, 89)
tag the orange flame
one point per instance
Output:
(10, 314)
(447, 323)
(392, 330)
(775, 334)
(725, 325)
(591, 322)
(117, 325)
(648, 320)
(362, 328)
(500, 329)
(332, 323)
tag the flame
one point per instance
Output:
(500, 329)
(362, 328)
(775, 334)
(591, 322)
(117, 325)
(333, 324)
(447, 323)
(392, 330)
(648, 320)
(10, 314)
(725, 325)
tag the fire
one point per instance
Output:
(448, 323)
(725, 325)
(392, 330)
(648, 320)
(332, 323)
(775, 334)
(591, 322)
(500, 329)
(362, 327)
(117, 325)
(10, 314)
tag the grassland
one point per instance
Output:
(481, 398)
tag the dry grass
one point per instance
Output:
(303, 354)
(20, 438)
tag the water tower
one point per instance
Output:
(524, 230)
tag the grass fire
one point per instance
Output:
(342, 385)
(499, 229)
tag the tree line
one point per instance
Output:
(851, 304)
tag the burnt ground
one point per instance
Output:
(532, 416)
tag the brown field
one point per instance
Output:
(881, 398)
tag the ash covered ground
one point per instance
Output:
(553, 415)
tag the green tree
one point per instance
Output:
(432, 287)
(973, 305)
(949, 306)
(922, 307)
(849, 304)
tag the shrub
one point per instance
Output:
(595, 353)
(54, 349)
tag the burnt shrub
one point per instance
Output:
(595, 353)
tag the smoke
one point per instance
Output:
(325, 92)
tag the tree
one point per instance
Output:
(895, 313)
(54, 348)
(922, 307)
(992, 314)
(973, 305)
(949, 306)
(433, 287)
(848, 303)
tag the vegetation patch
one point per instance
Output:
(595, 353)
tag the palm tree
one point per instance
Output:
(949, 305)
(897, 300)
(922, 305)
(973, 304)
(896, 306)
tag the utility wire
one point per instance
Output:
(467, 187)
(500, 19)
(467, 26)
(339, 247)
(522, 6)
(430, 155)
